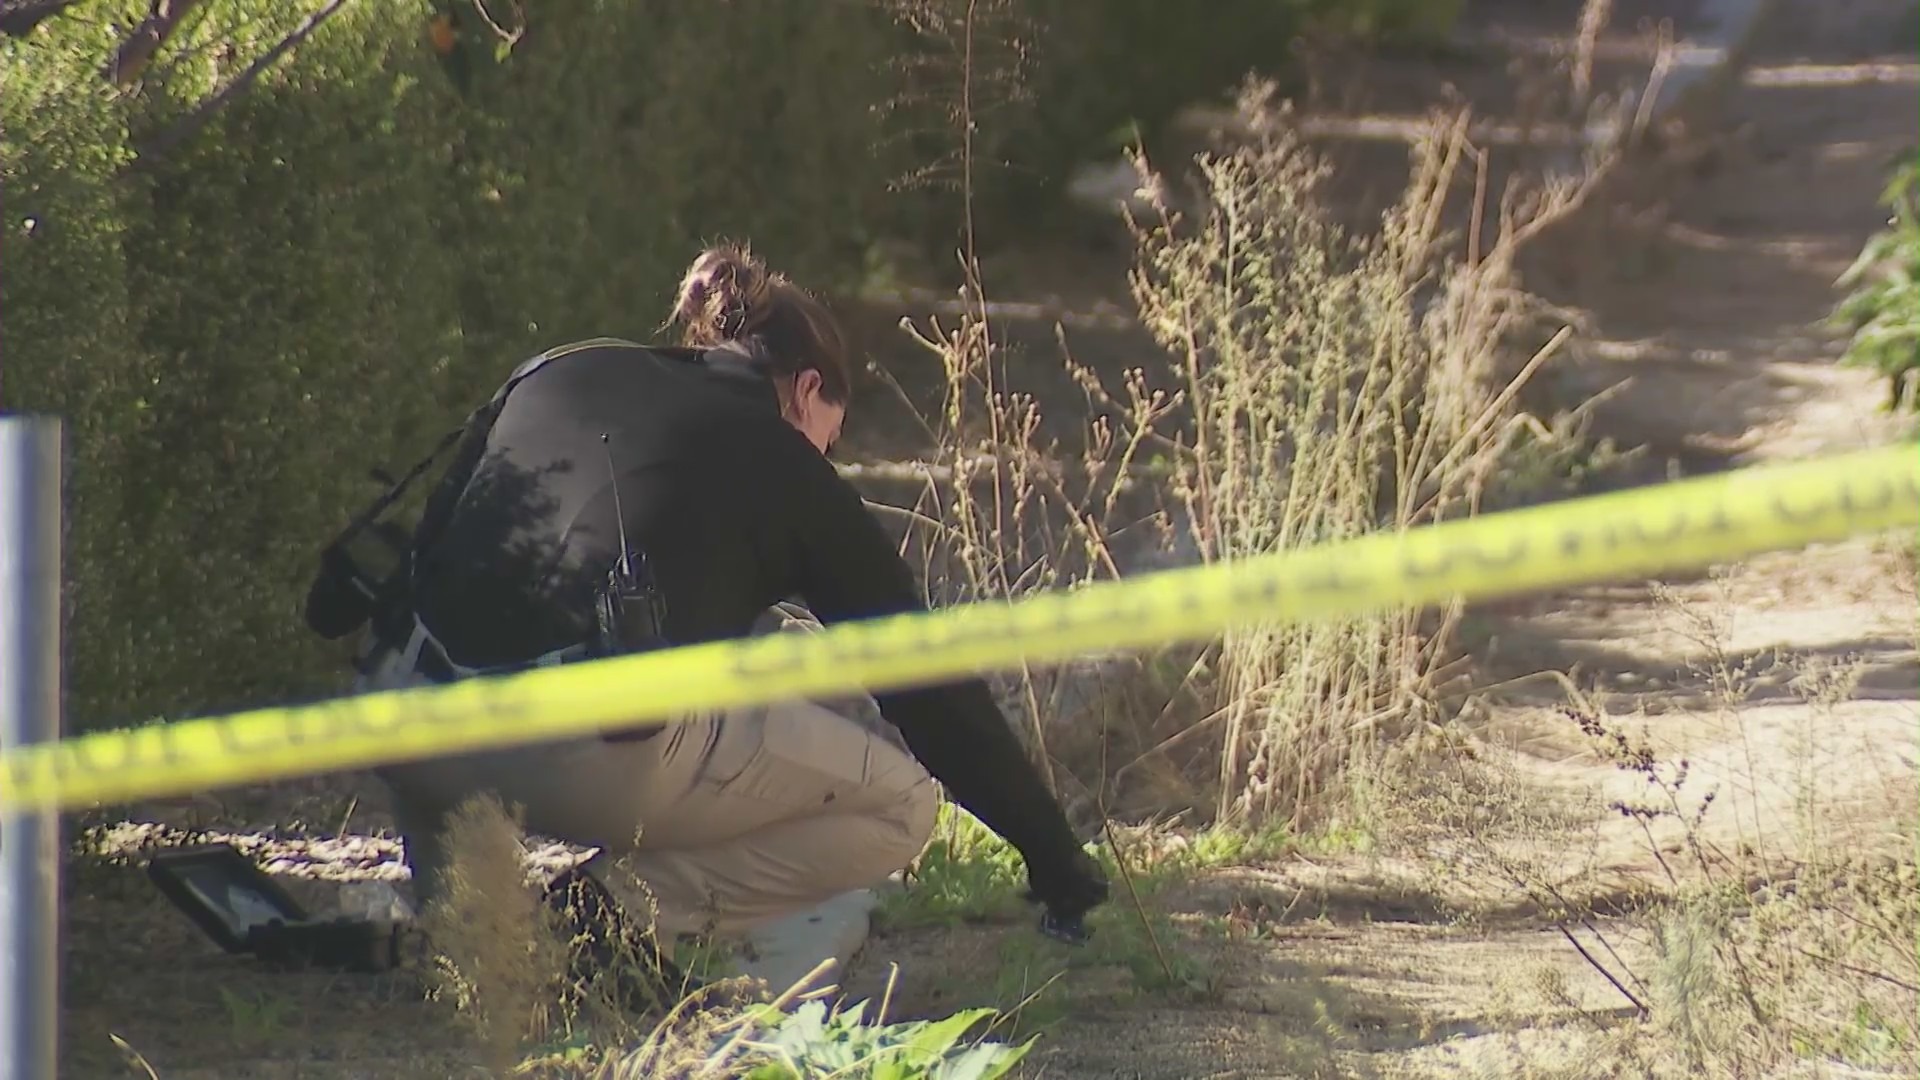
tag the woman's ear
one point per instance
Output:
(807, 384)
(806, 392)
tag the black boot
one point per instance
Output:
(604, 942)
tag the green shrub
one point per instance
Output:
(71, 334)
(616, 141)
(1882, 310)
(298, 308)
(811, 1041)
(350, 254)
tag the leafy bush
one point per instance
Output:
(298, 309)
(1883, 309)
(238, 319)
(71, 329)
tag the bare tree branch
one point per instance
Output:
(511, 37)
(130, 60)
(189, 125)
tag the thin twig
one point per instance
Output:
(1133, 894)
(748, 1019)
(1882, 976)
(134, 1057)
(1019, 1006)
(1560, 898)
(1173, 740)
(1601, 968)
(1607, 945)
(886, 998)
(914, 516)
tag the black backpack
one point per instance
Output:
(348, 591)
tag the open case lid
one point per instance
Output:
(222, 891)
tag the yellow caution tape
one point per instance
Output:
(1624, 535)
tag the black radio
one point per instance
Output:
(629, 613)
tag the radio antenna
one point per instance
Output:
(619, 515)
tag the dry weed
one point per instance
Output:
(1316, 386)
(1335, 385)
(497, 959)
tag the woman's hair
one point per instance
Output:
(728, 295)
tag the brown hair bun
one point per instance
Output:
(728, 295)
(723, 297)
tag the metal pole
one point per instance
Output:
(30, 473)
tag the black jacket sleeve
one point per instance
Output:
(849, 569)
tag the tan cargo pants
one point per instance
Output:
(730, 819)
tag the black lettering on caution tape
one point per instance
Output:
(1852, 501)
(772, 654)
(1257, 589)
(1455, 555)
(1327, 576)
(149, 748)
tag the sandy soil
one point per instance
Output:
(1702, 290)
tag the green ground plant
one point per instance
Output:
(813, 1039)
(968, 874)
(965, 873)
(257, 1017)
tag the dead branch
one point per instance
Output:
(130, 60)
(511, 37)
(189, 125)
(1638, 1005)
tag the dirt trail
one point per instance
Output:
(1708, 316)
(1708, 298)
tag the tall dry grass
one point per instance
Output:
(496, 959)
(1311, 385)
(1339, 385)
